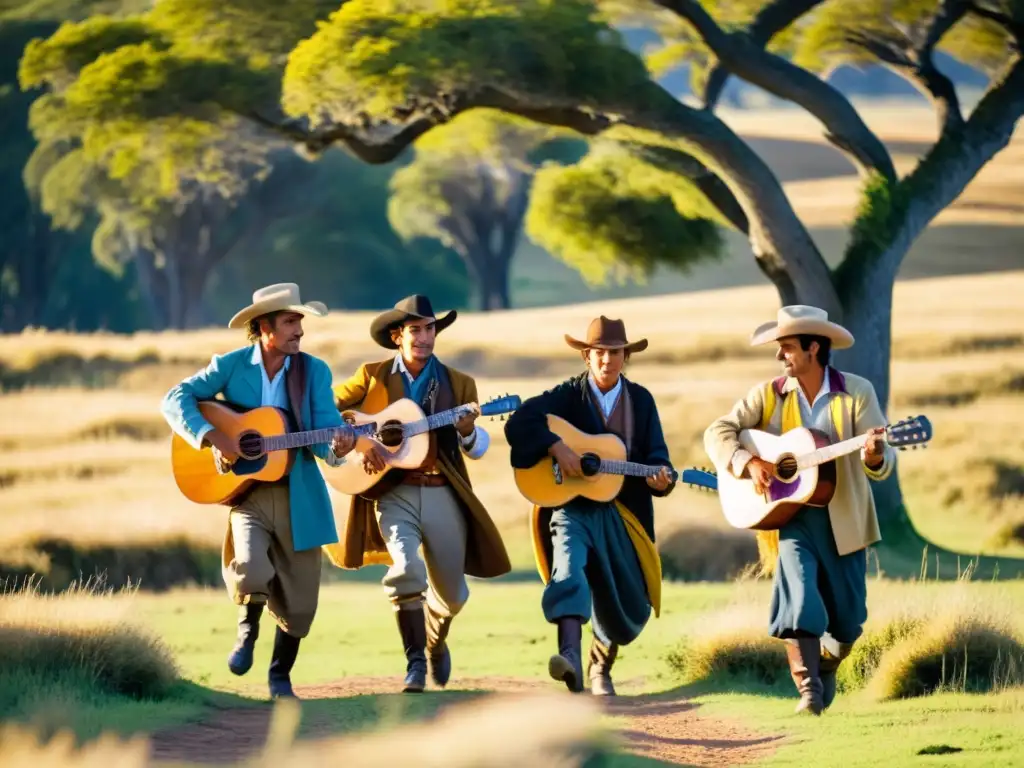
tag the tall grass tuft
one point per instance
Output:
(76, 644)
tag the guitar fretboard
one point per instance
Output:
(829, 452)
(312, 437)
(434, 421)
(631, 468)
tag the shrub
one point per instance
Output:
(706, 553)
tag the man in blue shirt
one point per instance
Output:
(271, 555)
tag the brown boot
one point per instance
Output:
(599, 668)
(832, 655)
(804, 659)
(439, 658)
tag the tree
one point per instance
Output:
(468, 187)
(378, 74)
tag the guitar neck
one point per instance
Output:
(830, 452)
(312, 437)
(434, 421)
(630, 468)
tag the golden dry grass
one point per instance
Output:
(916, 642)
(83, 463)
(89, 460)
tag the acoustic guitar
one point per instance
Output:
(804, 471)
(401, 430)
(267, 451)
(604, 465)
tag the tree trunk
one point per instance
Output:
(494, 293)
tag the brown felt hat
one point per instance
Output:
(603, 333)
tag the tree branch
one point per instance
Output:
(737, 53)
(769, 21)
(1011, 25)
(914, 60)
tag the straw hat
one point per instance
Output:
(799, 319)
(277, 298)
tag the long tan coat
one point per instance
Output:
(855, 410)
(371, 389)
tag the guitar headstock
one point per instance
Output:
(909, 433)
(501, 404)
(703, 479)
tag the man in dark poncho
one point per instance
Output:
(597, 559)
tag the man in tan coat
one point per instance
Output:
(819, 597)
(433, 506)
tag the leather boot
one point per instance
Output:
(413, 629)
(567, 664)
(439, 658)
(832, 655)
(804, 655)
(599, 668)
(286, 648)
(240, 658)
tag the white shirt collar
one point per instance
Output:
(257, 358)
(606, 399)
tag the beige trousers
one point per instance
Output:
(260, 565)
(410, 516)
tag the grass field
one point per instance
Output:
(85, 486)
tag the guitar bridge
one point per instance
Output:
(557, 470)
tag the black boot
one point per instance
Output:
(439, 658)
(413, 629)
(567, 665)
(240, 658)
(286, 648)
(599, 668)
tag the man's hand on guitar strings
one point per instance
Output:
(373, 460)
(761, 473)
(342, 443)
(225, 450)
(567, 459)
(660, 481)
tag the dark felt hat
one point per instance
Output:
(411, 307)
(606, 334)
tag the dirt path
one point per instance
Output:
(663, 727)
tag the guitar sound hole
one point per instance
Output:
(390, 433)
(590, 464)
(786, 467)
(250, 445)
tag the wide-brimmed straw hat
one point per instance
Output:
(799, 319)
(603, 333)
(280, 297)
(415, 306)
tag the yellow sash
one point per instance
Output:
(646, 552)
(768, 541)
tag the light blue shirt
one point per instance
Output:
(273, 393)
(606, 399)
(816, 415)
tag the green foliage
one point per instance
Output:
(830, 36)
(613, 216)
(383, 58)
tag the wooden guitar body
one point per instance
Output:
(537, 483)
(789, 491)
(404, 453)
(195, 471)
